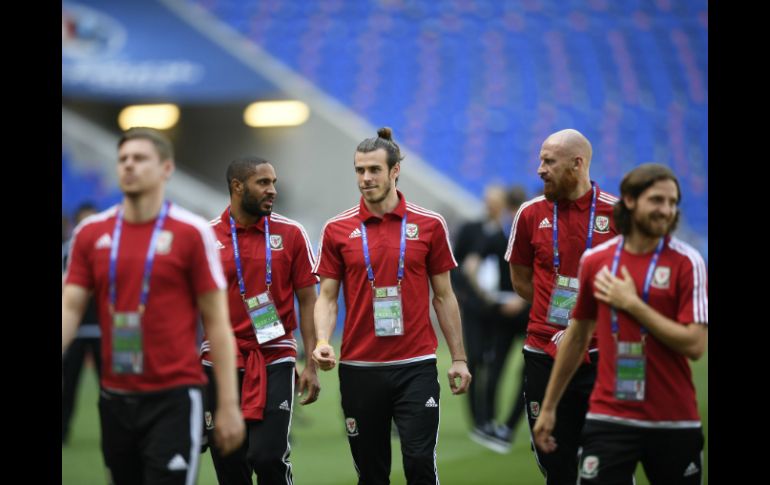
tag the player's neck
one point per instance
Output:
(582, 187)
(242, 218)
(381, 208)
(142, 208)
(638, 243)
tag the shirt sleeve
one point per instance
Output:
(586, 306)
(329, 263)
(520, 250)
(206, 267)
(302, 260)
(440, 258)
(78, 271)
(693, 290)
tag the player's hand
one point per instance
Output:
(543, 429)
(618, 292)
(459, 370)
(230, 430)
(308, 382)
(323, 355)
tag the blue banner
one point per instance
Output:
(142, 51)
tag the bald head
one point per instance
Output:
(564, 160)
(571, 143)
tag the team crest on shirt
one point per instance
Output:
(412, 231)
(165, 238)
(352, 426)
(590, 468)
(662, 277)
(534, 408)
(602, 224)
(276, 242)
(209, 420)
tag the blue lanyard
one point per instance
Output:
(402, 252)
(647, 282)
(237, 253)
(148, 260)
(589, 239)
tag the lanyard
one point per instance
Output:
(402, 252)
(645, 289)
(237, 253)
(148, 260)
(589, 239)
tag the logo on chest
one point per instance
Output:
(412, 231)
(661, 278)
(104, 242)
(165, 238)
(602, 224)
(276, 242)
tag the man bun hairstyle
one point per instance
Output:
(385, 141)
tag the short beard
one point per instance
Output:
(562, 188)
(645, 228)
(384, 195)
(253, 207)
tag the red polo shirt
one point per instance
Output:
(292, 263)
(186, 265)
(531, 244)
(678, 291)
(341, 258)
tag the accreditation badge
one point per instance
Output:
(264, 317)
(127, 353)
(563, 300)
(630, 371)
(388, 317)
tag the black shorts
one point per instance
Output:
(611, 452)
(152, 437)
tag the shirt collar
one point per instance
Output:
(225, 217)
(584, 201)
(399, 212)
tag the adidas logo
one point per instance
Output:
(356, 233)
(103, 242)
(285, 405)
(220, 245)
(691, 469)
(431, 403)
(177, 463)
(545, 223)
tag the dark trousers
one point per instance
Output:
(561, 466)
(506, 329)
(409, 395)
(72, 365)
(489, 337)
(669, 456)
(473, 335)
(266, 450)
(152, 438)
